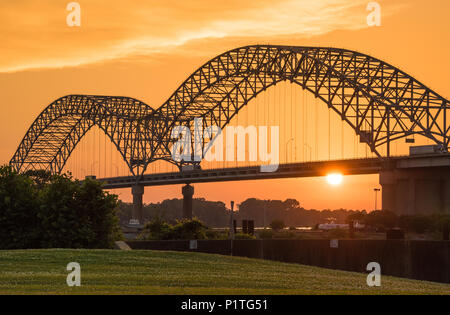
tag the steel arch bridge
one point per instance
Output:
(379, 101)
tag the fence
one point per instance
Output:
(421, 260)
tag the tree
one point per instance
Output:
(381, 219)
(18, 211)
(75, 215)
(359, 216)
(43, 210)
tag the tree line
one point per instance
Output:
(216, 213)
(289, 212)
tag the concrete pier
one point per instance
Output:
(138, 193)
(188, 192)
(412, 191)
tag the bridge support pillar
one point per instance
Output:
(138, 193)
(416, 191)
(188, 192)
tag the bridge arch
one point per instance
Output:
(379, 101)
(59, 128)
(363, 90)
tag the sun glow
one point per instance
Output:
(335, 179)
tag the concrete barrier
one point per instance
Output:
(421, 260)
(121, 245)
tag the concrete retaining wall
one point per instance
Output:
(421, 260)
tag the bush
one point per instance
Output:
(265, 234)
(156, 229)
(55, 211)
(421, 224)
(189, 230)
(216, 235)
(183, 230)
(439, 221)
(286, 235)
(337, 234)
(277, 225)
(244, 236)
(383, 219)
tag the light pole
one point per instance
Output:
(376, 190)
(231, 221)
(264, 215)
(231, 228)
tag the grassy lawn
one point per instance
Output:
(158, 272)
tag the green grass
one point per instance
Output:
(158, 272)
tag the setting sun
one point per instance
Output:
(335, 179)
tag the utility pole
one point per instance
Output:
(231, 228)
(264, 215)
(231, 221)
(376, 190)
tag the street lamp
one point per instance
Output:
(264, 219)
(376, 190)
(232, 221)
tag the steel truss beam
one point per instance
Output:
(379, 101)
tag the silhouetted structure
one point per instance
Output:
(380, 102)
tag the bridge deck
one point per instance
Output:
(306, 169)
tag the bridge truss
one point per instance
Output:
(380, 102)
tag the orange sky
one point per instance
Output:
(145, 49)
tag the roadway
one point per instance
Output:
(294, 170)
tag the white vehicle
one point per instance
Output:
(332, 226)
(133, 222)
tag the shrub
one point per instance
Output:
(337, 234)
(381, 219)
(244, 236)
(265, 234)
(189, 230)
(277, 225)
(421, 224)
(216, 235)
(424, 223)
(285, 235)
(183, 230)
(156, 229)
